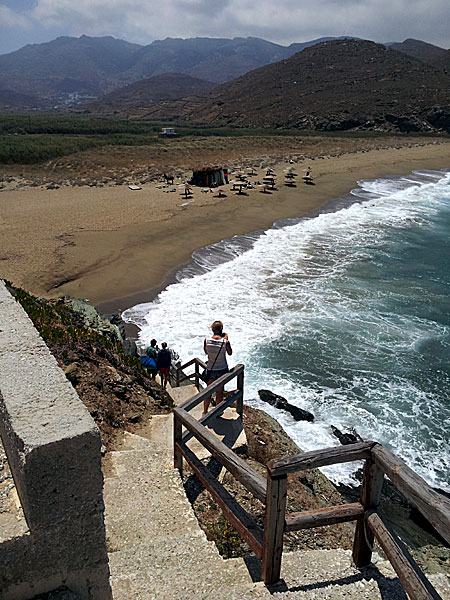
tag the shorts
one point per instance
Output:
(165, 372)
(213, 375)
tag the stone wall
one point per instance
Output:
(53, 448)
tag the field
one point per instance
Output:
(33, 138)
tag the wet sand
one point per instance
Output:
(113, 246)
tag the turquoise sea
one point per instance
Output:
(345, 313)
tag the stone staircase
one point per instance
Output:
(158, 551)
(156, 547)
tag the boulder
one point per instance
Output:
(347, 437)
(439, 118)
(282, 404)
(93, 319)
(73, 373)
(128, 345)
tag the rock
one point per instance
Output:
(62, 593)
(94, 320)
(404, 123)
(281, 403)
(135, 417)
(439, 118)
(347, 437)
(128, 346)
(73, 373)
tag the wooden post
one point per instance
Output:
(274, 528)
(177, 378)
(240, 401)
(197, 377)
(370, 497)
(177, 435)
(434, 506)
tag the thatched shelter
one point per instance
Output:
(209, 176)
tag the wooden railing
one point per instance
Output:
(267, 543)
(369, 523)
(179, 376)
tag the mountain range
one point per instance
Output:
(333, 86)
(68, 69)
(329, 84)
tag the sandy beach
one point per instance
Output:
(112, 245)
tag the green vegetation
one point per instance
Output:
(32, 149)
(226, 538)
(58, 324)
(31, 138)
(70, 124)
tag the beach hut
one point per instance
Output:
(209, 176)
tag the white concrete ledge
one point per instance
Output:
(53, 448)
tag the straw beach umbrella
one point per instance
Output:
(185, 189)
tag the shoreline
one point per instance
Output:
(117, 248)
(147, 296)
(144, 296)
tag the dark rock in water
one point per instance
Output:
(281, 403)
(298, 413)
(271, 398)
(347, 437)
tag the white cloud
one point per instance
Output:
(284, 21)
(10, 19)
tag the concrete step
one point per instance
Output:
(148, 508)
(322, 574)
(182, 393)
(184, 568)
(158, 430)
(136, 463)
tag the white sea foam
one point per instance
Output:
(295, 283)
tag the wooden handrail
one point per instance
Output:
(233, 511)
(213, 387)
(434, 507)
(411, 577)
(216, 411)
(323, 516)
(179, 376)
(193, 361)
(319, 458)
(231, 461)
(268, 544)
(379, 461)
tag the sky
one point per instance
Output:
(285, 21)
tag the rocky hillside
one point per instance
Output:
(211, 59)
(65, 66)
(336, 85)
(69, 70)
(96, 360)
(136, 97)
(13, 100)
(423, 51)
